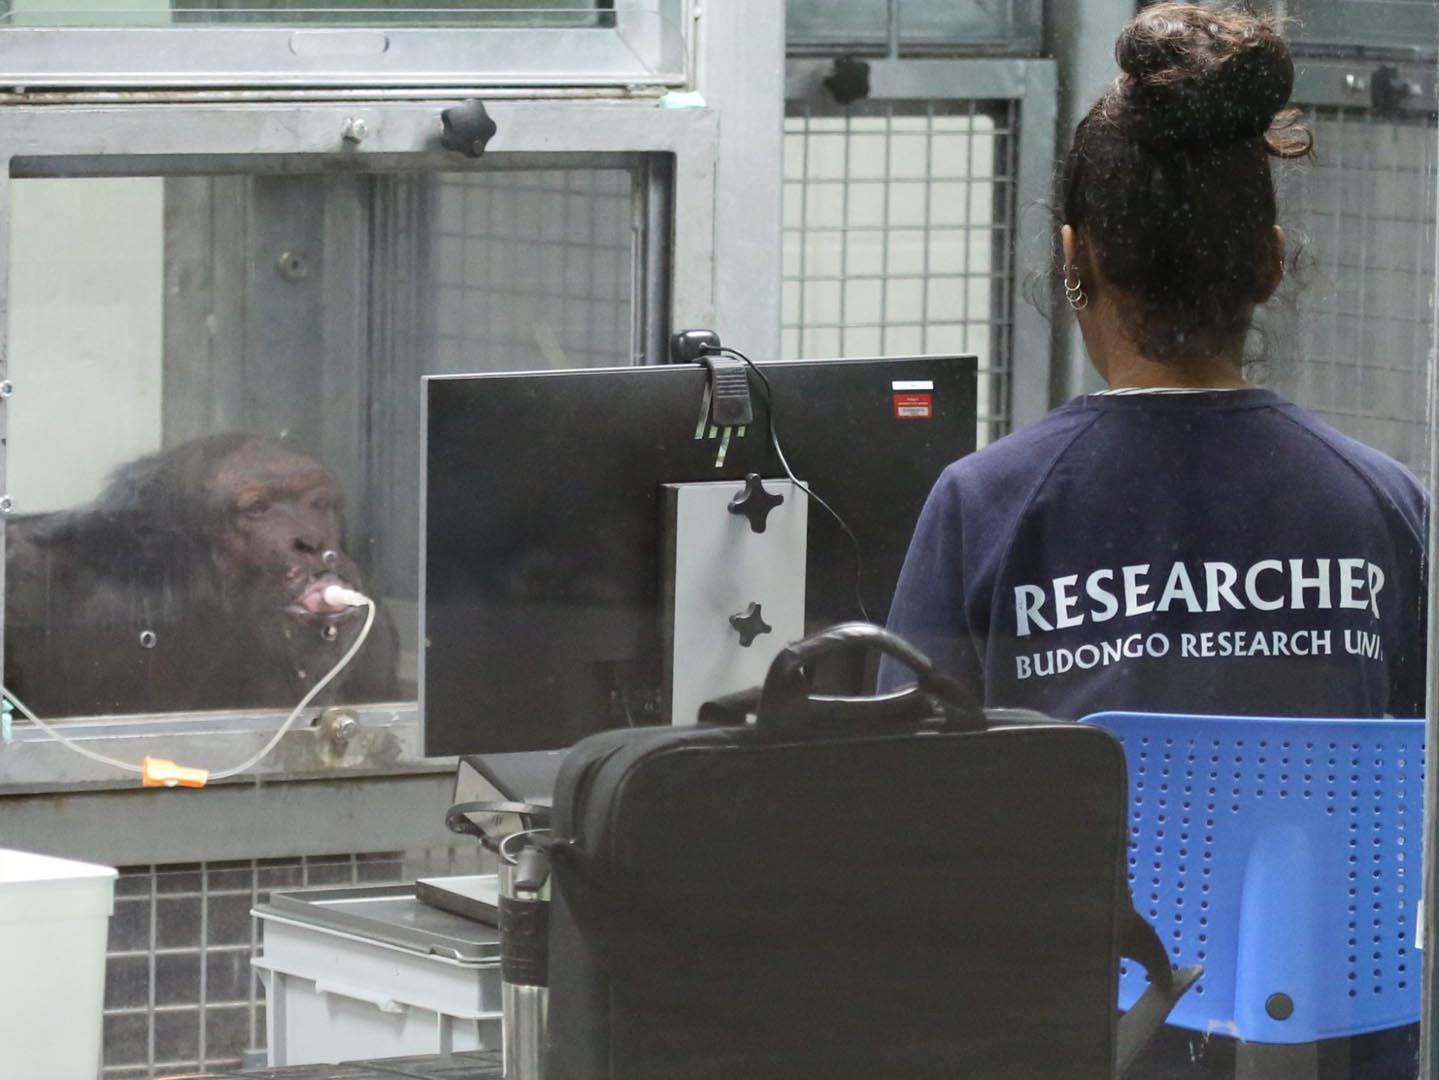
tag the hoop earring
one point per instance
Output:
(1074, 294)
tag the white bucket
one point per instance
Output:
(54, 914)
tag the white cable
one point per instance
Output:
(369, 604)
(25, 709)
(334, 596)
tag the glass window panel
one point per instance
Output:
(475, 13)
(220, 412)
(350, 44)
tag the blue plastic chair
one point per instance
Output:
(1284, 856)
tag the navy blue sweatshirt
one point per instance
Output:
(1214, 552)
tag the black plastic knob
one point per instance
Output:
(755, 502)
(750, 625)
(467, 128)
(1387, 90)
(849, 81)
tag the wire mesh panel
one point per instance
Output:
(1357, 351)
(532, 266)
(180, 995)
(347, 289)
(898, 226)
(512, 270)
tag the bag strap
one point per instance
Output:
(1138, 941)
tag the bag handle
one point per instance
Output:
(787, 707)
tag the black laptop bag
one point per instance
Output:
(845, 889)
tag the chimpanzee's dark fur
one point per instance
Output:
(206, 546)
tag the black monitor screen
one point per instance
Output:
(542, 551)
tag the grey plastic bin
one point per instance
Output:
(371, 972)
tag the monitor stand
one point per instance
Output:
(733, 587)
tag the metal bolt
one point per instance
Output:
(330, 558)
(148, 639)
(355, 130)
(6, 504)
(340, 725)
(330, 632)
(7, 388)
(293, 266)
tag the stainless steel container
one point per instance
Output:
(524, 953)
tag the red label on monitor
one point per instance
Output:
(913, 406)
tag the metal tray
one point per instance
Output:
(473, 896)
(389, 914)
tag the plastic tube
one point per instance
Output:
(334, 595)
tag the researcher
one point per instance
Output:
(1182, 541)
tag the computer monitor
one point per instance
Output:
(549, 508)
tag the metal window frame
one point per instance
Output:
(1377, 27)
(1429, 892)
(1344, 83)
(109, 140)
(1034, 84)
(913, 28)
(639, 43)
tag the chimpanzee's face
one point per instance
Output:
(279, 541)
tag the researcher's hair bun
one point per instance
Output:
(1205, 76)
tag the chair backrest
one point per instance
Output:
(1283, 855)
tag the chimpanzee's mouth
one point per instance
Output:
(312, 603)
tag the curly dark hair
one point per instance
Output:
(1168, 181)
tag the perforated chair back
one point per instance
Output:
(1283, 855)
